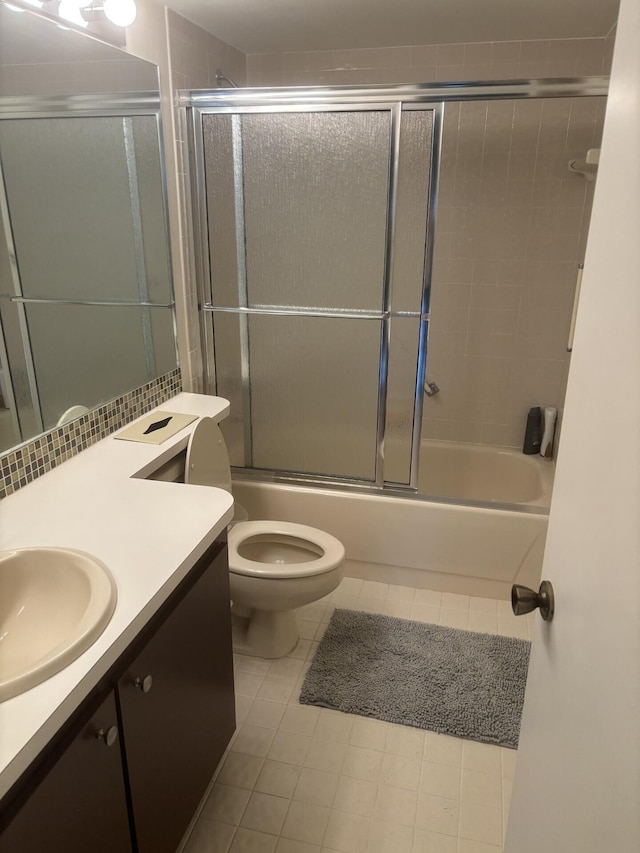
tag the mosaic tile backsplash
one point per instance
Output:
(31, 460)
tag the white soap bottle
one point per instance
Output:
(548, 431)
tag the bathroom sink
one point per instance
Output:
(54, 603)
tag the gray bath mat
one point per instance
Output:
(442, 679)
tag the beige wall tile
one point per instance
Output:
(513, 238)
(424, 55)
(424, 63)
(480, 53)
(450, 54)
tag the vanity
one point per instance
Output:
(115, 751)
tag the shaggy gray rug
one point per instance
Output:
(442, 679)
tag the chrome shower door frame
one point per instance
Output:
(195, 104)
(194, 126)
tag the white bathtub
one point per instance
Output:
(418, 542)
(473, 472)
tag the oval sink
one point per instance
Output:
(54, 603)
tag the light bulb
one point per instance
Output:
(71, 12)
(81, 4)
(122, 13)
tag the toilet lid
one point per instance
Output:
(331, 556)
(207, 462)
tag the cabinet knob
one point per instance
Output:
(108, 736)
(145, 684)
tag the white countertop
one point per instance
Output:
(148, 533)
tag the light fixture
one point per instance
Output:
(100, 16)
(106, 19)
(70, 11)
(122, 13)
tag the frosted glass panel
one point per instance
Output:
(227, 337)
(86, 207)
(85, 355)
(314, 394)
(414, 171)
(315, 196)
(401, 385)
(297, 210)
(221, 175)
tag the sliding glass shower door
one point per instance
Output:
(314, 233)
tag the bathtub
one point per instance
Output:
(473, 472)
(426, 542)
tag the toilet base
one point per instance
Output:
(264, 633)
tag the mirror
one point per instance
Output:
(86, 297)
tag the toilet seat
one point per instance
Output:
(330, 550)
(207, 464)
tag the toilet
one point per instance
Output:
(275, 567)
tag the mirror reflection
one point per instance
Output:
(86, 300)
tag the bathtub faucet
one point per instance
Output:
(430, 388)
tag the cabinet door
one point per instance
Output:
(80, 803)
(177, 708)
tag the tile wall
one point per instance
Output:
(431, 62)
(196, 55)
(510, 231)
(511, 223)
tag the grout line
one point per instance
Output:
(292, 701)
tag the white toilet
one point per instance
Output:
(274, 566)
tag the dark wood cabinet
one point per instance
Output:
(80, 803)
(177, 717)
(170, 699)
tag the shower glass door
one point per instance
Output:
(314, 233)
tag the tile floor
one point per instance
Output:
(299, 779)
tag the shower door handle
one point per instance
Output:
(525, 600)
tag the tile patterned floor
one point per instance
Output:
(299, 779)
